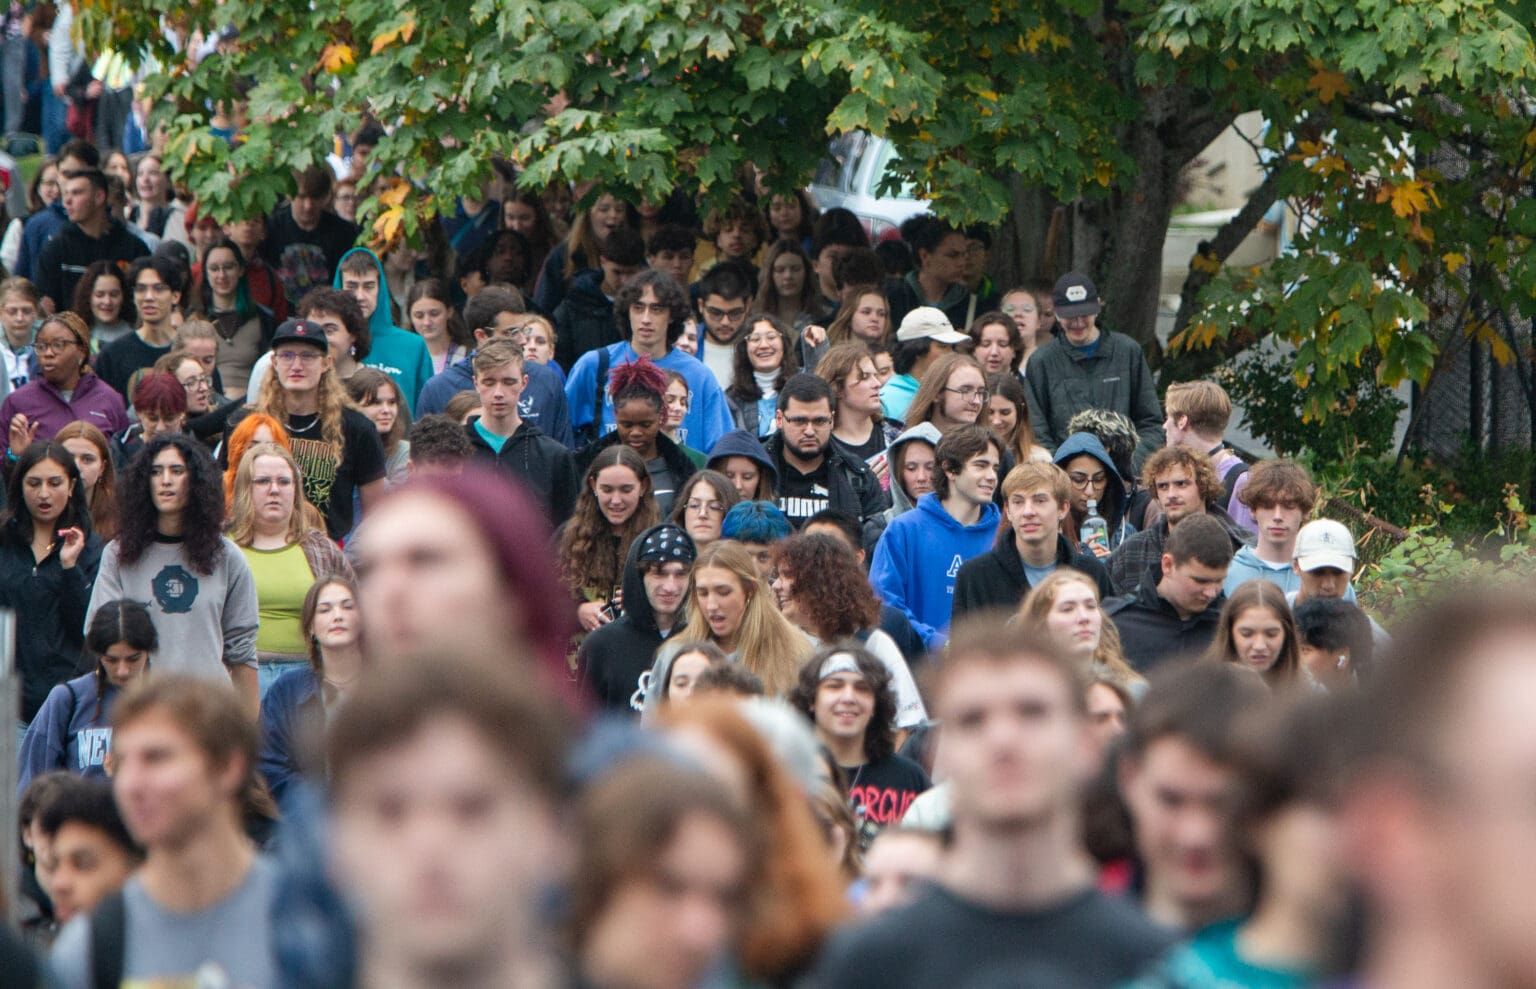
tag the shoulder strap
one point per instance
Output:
(1230, 481)
(602, 386)
(109, 928)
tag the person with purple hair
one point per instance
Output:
(464, 563)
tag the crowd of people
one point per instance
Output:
(643, 596)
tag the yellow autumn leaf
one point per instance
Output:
(1453, 260)
(395, 194)
(1408, 198)
(1103, 172)
(401, 32)
(386, 226)
(337, 57)
(1328, 84)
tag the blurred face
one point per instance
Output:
(1021, 307)
(869, 320)
(428, 576)
(1089, 479)
(807, 427)
(48, 185)
(46, 490)
(86, 865)
(1106, 715)
(723, 317)
(1190, 586)
(946, 262)
(83, 202)
(520, 217)
(364, 287)
(826, 262)
(500, 388)
(677, 263)
(299, 366)
(977, 478)
(117, 164)
(150, 182)
(918, 464)
(884, 368)
(638, 421)
(963, 398)
(671, 925)
(87, 460)
(1258, 638)
(307, 210)
(18, 313)
(1017, 749)
(736, 239)
(247, 234)
(167, 790)
(744, 475)
(722, 601)
(861, 388)
(666, 586)
(784, 215)
(788, 276)
(993, 349)
(675, 405)
(1176, 490)
(1323, 582)
(606, 216)
(337, 623)
(344, 201)
(168, 480)
(1002, 417)
(156, 422)
(616, 274)
(441, 844)
(154, 297)
(107, 299)
(648, 320)
(703, 514)
(273, 491)
(197, 385)
(537, 346)
(429, 318)
(976, 254)
(685, 670)
(59, 354)
(1178, 799)
(688, 341)
(1080, 331)
(1074, 621)
(844, 704)
(894, 869)
(1036, 518)
(205, 351)
(1176, 428)
(383, 409)
(223, 272)
(765, 348)
(618, 492)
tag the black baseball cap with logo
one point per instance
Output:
(301, 330)
(1075, 295)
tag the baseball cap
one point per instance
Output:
(1075, 295)
(301, 329)
(1325, 543)
(930, 323)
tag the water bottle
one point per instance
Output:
(1094, 528)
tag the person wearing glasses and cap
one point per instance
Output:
(1090, 367)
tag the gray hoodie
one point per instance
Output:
(900, 503)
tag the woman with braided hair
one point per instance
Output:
(638, 388)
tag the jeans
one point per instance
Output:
(268, 671)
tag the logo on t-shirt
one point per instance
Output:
(175, 589)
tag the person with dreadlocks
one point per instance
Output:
(638, 389)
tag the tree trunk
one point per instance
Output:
(1021, 251)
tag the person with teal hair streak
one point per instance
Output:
(399, 353)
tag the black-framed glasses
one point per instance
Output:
(969, 394)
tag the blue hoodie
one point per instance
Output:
(543, 401)
(399, 353)
(1113, 505)
(709, 415)
(63, 735)
(919, 557)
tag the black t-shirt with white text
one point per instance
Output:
(802, 495)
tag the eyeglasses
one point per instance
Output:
(1081, 480)
(816, 422)
(52, 346)
(725, 315)
(159, 288)
(297, 357)
(969, 394)
(192, 384)
(705, 508)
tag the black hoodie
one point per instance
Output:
(852, 488)
(615, 660)
(583, 319)
(1151, 630)
(545, 467)
(996, 579)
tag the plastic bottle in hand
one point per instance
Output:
(1094, 528)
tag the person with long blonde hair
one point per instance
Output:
(731, 605)
(277, 531)
(1065, 608)
(256, 427)
(337, 448)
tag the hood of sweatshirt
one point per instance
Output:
(1113, 506)
(931, 506)
(381, 322)
(637, 606)
(925, 431)
(740, 443)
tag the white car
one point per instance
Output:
(850, 176)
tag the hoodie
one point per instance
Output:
(740, 443)
(64, 735)
(52, 604)
(919, 559)
(708, 417)
(584, 319)
(399, 353)
(64, 259)
(615, 660)
(906, 294)
(998, 580)
(900, 503)
(896, 396)
(543, 401)
(1151, 630)
(546, 469)
(1114, 504)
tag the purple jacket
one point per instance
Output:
(94, 402)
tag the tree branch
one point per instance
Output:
(1227, 240)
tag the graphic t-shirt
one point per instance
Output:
(802, 495)
(329, 484)
(881, 791)
(227, 944)
(305, 259)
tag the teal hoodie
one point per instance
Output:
(399, 353)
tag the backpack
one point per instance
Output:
(109, 930)
(592, 431)
(1230, 482)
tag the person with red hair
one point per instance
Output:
(160, 403)
(254, 428)
(638, 389)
